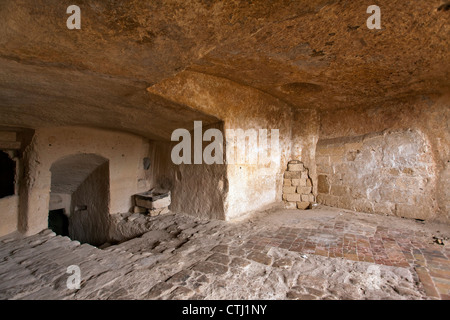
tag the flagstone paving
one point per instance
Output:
(385, 246)
(323, 253)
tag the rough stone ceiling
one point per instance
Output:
(306, 53)
(37, 96)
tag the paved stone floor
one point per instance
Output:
(323, 253)
(384, 246)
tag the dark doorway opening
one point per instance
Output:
(58, 222)
(7, 174)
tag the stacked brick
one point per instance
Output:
(153, 204)
(297, 187)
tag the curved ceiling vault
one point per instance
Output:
(69, 172)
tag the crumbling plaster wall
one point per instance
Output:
(125, 153)
(250, 186)
(392, 159)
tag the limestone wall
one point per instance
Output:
(125, 153)
(390, 173)
(391, 159)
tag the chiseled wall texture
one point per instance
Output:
(125, 153)
(392, 160)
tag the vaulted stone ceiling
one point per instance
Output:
(70, 172)
(119, 70)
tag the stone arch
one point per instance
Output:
(80, 186)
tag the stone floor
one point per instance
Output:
(323, 253)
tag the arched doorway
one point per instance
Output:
(80, 190)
